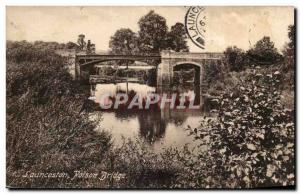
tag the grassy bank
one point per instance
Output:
(48, 129)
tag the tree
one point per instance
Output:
(291, 34)
(152, 37)
(71, 45)
(90, 48)
(124, 41)
(289, 48)
(235, 58)
(81, 41)
(176, 38)
(288, 67)
(264, 52)
(152, 33)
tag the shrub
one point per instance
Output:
(264, 53)
(235, 58)
(144, 168)
(251, 143)
(47, 128)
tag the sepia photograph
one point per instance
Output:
(150, 97)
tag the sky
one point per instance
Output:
(226, 26)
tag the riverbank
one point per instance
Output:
(49, 132)
(48, 128)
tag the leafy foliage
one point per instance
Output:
(145, 168)
(235, 58)
(153, 37)
(176, 38)
(152, 33)
(288, 65)
(47, 129)
(264, 53)
(124, 41)
(81, 42)
(251, 143)
(291, 35)
(71, 45)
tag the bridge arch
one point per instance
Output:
(198, 67)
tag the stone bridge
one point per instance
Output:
(170, 62)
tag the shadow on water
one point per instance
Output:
(160, 127)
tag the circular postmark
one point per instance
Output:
(195, 24)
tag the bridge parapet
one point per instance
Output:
(188, 55)
(96, 57)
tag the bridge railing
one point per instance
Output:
(92, 59)
(163, 54)
(191, 55)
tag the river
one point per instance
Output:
(159, 128)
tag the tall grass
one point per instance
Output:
(48, 129)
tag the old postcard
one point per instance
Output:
(190, 97)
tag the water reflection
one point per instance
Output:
(160, 127)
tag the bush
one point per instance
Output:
(143, 167)
(264, 53)
(252, 139)
(214, 71)
(47, 128)
(229, 81)
(235, 58)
